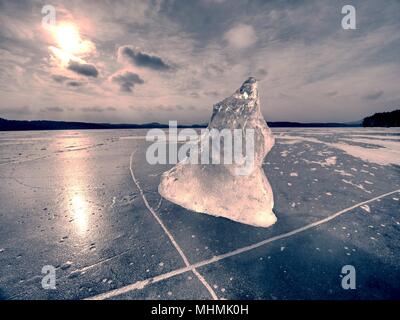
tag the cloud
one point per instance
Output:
(216, 44)
(127, 80)
(52, 109)
(98, 109)
(84, 69)
(74, 84)
(241, 36)
(374, 96)
(261, 73)
(142, 59)
(59, 78)
(331, 93)
(16, 110)
(69, 82)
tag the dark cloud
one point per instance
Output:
(16, 110)
(127, 81)
(52, 109)
(177, 107)
(59, 78)
(67, 81)
(143, 59)
(84, 69)
(374, 96)
(98, 109)
(74, 84)
(204, 20)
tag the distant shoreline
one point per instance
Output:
(44, 125)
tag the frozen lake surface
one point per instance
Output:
(86, 202)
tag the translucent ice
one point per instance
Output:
(218, 189)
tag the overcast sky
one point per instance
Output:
(140, 61)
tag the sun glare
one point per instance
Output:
(69, 40)
(67, 37)
(79, 210)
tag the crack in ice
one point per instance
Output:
(175, 244)
(142, 283)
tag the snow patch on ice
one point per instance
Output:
(343, 173)
(387, 153)
(296, 139)
(382, 156)
(325, 163)
(331, 161)
(366, 208)
(359, 186)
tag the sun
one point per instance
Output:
(69, 45)
(68, 38)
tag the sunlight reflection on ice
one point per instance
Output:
(79, 209)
